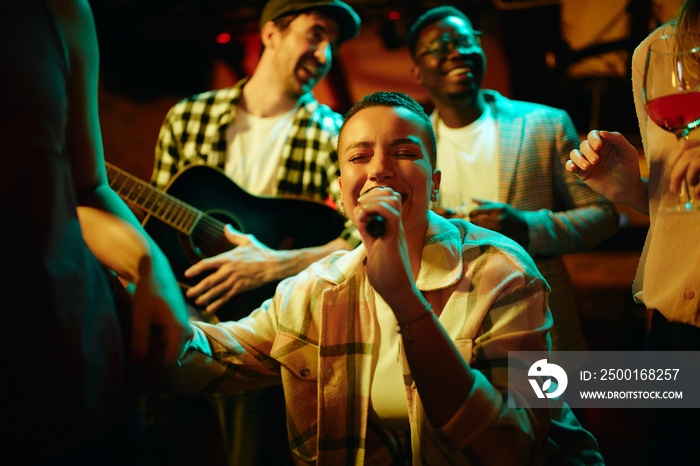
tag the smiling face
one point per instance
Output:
(458, 75)
(303, 52)
(388, 146)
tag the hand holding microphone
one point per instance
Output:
(376, 225)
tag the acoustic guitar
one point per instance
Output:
(187, 222)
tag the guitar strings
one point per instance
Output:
(211, 232)
(208, 229)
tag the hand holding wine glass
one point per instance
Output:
(672, 89)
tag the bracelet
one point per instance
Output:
(404, 328)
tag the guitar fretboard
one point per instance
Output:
(157, 203)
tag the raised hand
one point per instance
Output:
(388, 263)
(609, 165)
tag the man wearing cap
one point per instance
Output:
(271, 137)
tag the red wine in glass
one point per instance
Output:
(672, 92)
(675, 112)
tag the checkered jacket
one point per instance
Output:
(194, 131)
(316, 337)
(563, 215)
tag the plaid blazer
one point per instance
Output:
(316, 337)
(563, 215)
(194, 131)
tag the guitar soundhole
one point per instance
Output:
(208, 238)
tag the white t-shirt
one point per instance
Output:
(468, 159)
(254, 150)
(388, 402)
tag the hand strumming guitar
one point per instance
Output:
(249, 265)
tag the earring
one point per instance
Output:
(434, 196)
(342, 208)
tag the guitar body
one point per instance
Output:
(277, 222)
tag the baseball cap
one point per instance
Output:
(348, 21)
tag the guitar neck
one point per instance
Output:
(153, 201)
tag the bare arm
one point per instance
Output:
(109, 228)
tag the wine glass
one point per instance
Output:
(672, 90)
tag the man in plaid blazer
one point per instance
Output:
(509, 158)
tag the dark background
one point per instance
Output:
(157, 48)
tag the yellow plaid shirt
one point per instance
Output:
(315, 336)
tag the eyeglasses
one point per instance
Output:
(443, 46)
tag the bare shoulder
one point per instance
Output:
(76, 25)
(70, 13)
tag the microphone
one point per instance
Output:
(376, 226)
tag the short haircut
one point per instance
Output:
(429, 17)
(397, 99)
